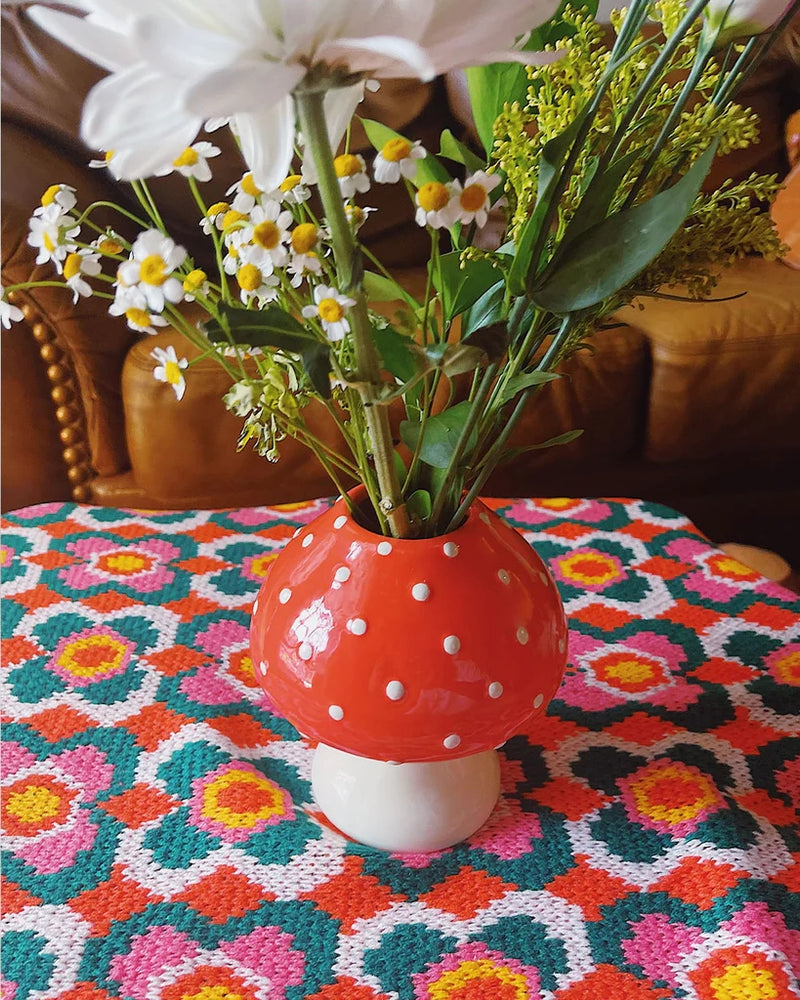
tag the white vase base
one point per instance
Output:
(410, 808)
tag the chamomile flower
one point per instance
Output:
(154, 258)
(52, 233)
(304, 259)
(256, 283)
(357, 215)
(109, 244)
(170, 369)
(398, 158)
(246, 194)
(352, 173)
(472, 201)
(193, 162)
(330, 308)
(132, 304)
(57, 194)
(107, 162)
(435, 206)
(76, 265)
(195, 283)
(268, 232)
(8, 313)
(293, 190)
(215, 217)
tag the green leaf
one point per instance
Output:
(554, 153)
(597, 200)
(442, 432)
(455, 359)
(565, 438)
(399, 354)
(517, 383)
(552, 31)
(399, 466)
(459, 287)
(428, 169)
(486, 311)
(492, 340)
(419, 505)
(379, 288)
(490, 88)
(272, 327)
(453, 149)
(610, 255)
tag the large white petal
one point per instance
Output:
(185, 48)
(340, 106)
(109, 49)
(267, 141)
(246, 88)
(381, 55)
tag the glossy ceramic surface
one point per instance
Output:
(409, 650)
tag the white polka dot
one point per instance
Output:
(395, 690)
(340, 522)
(255, 607)
(308, 540)
(495, 689)
(561, 645)
(384, 548)
(450, 549)
(504, 576)
(263, 667)
(452, 741)
(342, 574)
(522, 636)
(336, 712)
(285, 595)
(357, 626)
(452, 644)
(420, 591)
(537, 701)
(306, 651)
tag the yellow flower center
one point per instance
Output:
(72, 265)
(153, 270)
(290, 183)
(48, 243)
(139, 317)
(50, 195)
(330, 311)
(249, 277)
(188, 158)
(267, 235)
(194, 280)
(231, 218)
(473, 197)
(172, 372)
(108, 155)
(249, 187)
(33, 804)
(396, 149)
(110, 246)
(355, 214)
(433, 196)
(304, 237)
(218, 208)
(347, 165)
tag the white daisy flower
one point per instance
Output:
(352, 173)
(170, 369)
(132, 304)
(57, 194)
(330, 308)
(246, 194)
(195, 283)
(214, 217)
(8, 313)
(293, 190)
(357, 215)
(52, 233)
(108, 162)
(304, 259)
(435, 206)
(108, 244)
(472, 201)
(154, 258)
(268, 232)
(256, 284)
(76, 265)
(398, 158)
(193, 162)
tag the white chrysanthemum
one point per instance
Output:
(193, 162)
(131, 303)
(78, 264)
(8, 313)
(154, 258)
(256, 283)
(176, 63)
(246, 194)
(170, 369)
(330, 308)
(268, 233)
(471, 202)
(214, 217)
(293, 190)
(352, 173)
(357, 215)
(436, 206)
(397, 158)
(196, 283)
(304, 259)
(53, 233)
(57, 194)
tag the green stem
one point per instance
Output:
(350, 268)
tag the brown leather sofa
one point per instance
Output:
(693, 405)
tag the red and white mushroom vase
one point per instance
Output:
(409, 662)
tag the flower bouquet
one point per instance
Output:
(592, 146)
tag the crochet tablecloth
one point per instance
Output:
(161, 842)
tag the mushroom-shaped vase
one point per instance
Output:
(409, 662)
